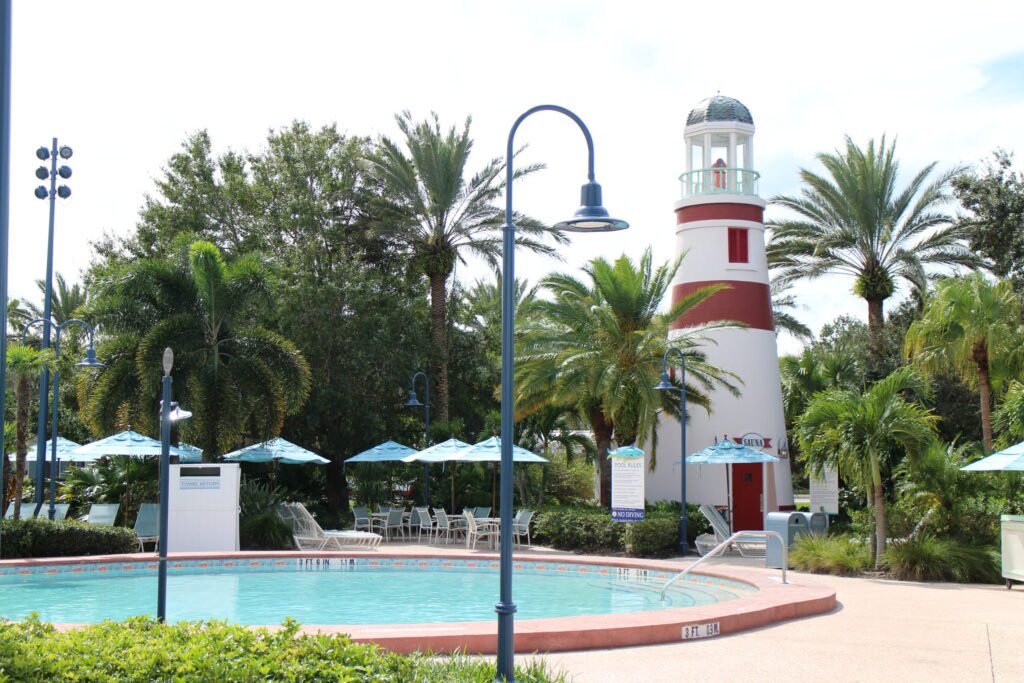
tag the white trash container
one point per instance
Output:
(1012, 546)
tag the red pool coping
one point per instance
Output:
(773, 602)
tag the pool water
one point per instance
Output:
(341, 591)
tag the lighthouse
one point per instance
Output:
(719, 226)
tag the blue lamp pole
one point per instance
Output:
(89, 362)
(414, 402)
(5, 198)
(666, 385)
(169, 412)
(590, 217)
(52, 173)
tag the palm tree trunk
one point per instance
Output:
(603, 438)
(876, 342)
(439, 338)
(881, 525)
(985, 394)
(337, 489)
(21, 440)
(874, 538)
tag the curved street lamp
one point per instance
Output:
(170, 412)
(666, 385)
(414, 402)
(590, 217)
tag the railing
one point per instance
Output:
(721, 547)
(723, 180)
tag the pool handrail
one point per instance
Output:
(721, 547)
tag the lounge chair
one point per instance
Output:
(481, 513)
(476, 531)
(147, 526)
(309, 535)
(393, 522)
(362, 516)
(746, 547)
(102, 514)
(521, 527)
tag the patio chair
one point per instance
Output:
(60, 511)
(746, 547)
(147, 526)
(423, 523)
(481, 512)
(521, 527)
(444, 524)
(362, 522)
(102, 514)
(393, 522)
(476, 531)
(309, 535)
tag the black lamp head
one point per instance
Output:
(413, 402)
(64, 172)
(42, 173)
(65, 152)
(591, 216)
(665, 384)
(42, 154)
(90, 360)
(41, 192)
(63, 191)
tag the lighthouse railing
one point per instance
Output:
(719, 180)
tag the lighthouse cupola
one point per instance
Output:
(719, 138)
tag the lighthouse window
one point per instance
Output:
(738, 245)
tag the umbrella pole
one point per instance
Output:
(728, 493)
(494, 487)
(453, 488)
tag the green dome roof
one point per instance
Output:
(719, 108)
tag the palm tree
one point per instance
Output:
(853, 433)
(24, 366)
(598, 346)
(552, 427)
(855, 222)
(65, 302)
(813, 371)
(17, 316)
(237, 378)
(783, 303)
(935, 484)
(442, 216)
(1008, 419)
(970, 326)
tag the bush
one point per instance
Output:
(590, 528)
(141, 649)
(259, 525)
(653, 537)
(43, 538)
(838, 555)
(929, 558)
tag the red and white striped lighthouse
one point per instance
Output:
(720, 228)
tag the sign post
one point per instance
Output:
(627, 484)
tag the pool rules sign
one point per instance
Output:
(627, 484)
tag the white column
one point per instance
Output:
(731, 178)
(706, 179)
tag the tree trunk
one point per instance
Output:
(873, 541)
(603, 438)
(337, 488)
(985, 394)
(876, 339)
(439, 338)
(22, 393)
(881, 527)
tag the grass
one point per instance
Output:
(929, 558)
(837, 555)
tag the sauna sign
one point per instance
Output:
(627, 484)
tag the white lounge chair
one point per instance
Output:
(147, 526)
(309, 535)
(521, 527)
(746, 547)
(102, 514)
(475, 531)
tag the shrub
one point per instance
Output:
(929, 558)
(142, 649)
(655, 536)
(43, 538)
(590, 528)
(839, 555)
(259, 525)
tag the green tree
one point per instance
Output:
(995, 227)
(66, 302)
(24, 366)
(441, 216)
(1008, 419)
(854, 432)
(783, 305)
(549, 429)
(238, 378)
(854, 221)
(970, 326)
(597, 345)
(811, 372)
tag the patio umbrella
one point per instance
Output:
(276, 450)
(388, 451)
(727, 452)
(190, 453)
(1007, 460)
(64, 450)
(446, 451)
(489, 450)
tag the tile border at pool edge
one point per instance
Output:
(772, 603)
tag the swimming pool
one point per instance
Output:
(345, 590)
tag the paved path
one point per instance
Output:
(881, 631)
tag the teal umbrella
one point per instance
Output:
(276, 450)
(727, 452)
(65, 448)
(489, 450)
(441, 452)
(388, 451)
(128, 443)
(1007, 460)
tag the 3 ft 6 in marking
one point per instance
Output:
(700, 631)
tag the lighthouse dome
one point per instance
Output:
(719, 108)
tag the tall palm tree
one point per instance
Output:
(441, 215)
(854, 432)
(24, 366)
(854, 221)
(237, 378)
(66, 302)
(1008, 419)
(783, 305)
(598, 345)
(553, 427)
(811, 372)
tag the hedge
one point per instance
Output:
(590, 528)
(141, 649)
(24, 538)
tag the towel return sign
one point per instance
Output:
(205, 478)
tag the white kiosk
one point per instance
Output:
(203, 508)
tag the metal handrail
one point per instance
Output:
(725, 544)
(720, 180)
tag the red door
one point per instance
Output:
(746, 497)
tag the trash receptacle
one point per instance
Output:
(817, 523)
(787, 524)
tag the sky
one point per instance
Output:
(123, 83)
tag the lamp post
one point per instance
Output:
(5, 199)
(169, 412)
(89, 362)
(666, 385)
(52, 173)
(590, 217)
(413, 402)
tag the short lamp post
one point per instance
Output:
(88, 362)
(169, 412)
(666, 385)
(590, 217)
(52, 155)
(414, 402)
